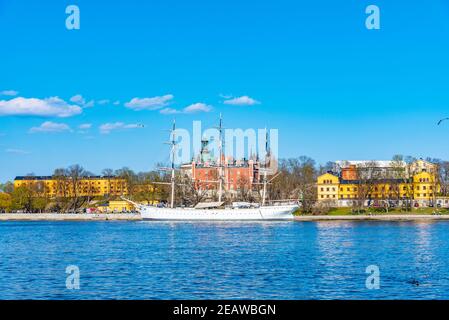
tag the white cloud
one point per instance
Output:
(9, 93)
(153, 103)
(197, 107)
(104, 101)
(108, 127)
(49, 107)
(49, 126)
(241, 101)
(225, 96)
(116, 103)
(90, 104)
(85, 126)
(193, 108)
(80, 100)
(169, 111)
(17, 151)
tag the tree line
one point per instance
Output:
(296, 179)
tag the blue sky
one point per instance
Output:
(334, 89)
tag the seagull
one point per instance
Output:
(439, 122)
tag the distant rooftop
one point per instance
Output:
(379, 163)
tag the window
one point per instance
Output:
(424, 187)
(327, 189)
(333, 189)
(333, 196)
(322, 196)
(322, 189)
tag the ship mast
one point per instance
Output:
(220, 165)
(264, 192)
(173, 153)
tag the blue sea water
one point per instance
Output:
(264, 260)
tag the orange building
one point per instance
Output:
(235, 174)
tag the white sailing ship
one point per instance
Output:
(216, 210)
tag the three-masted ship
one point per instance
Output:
(216, 210)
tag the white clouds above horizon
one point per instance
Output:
(241, 101)
(197, 107)
(48, 107)
(193, 108)
(49, 126)
(108, 127)
(103, 101)
(169, 111)
(80, 100)
(154, 103)
(85, 126)
(9, 93)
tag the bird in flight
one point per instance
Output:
(439, 122)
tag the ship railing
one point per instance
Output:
(282, 202)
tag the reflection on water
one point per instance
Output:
(224, 260)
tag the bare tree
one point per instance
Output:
(62, 189)
(108, 174)
(296, 181)
(443, 174)
(129, 181)
(188, 191)
(368, 175)
(76, 173)
(244, 189)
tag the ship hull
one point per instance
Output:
(189, 214)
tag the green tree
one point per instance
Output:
(22, 199)
(7, 187)
(39, 204)
(5, 202)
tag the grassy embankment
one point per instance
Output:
(372, 211)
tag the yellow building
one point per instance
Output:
(341, 189)
(425, 186)
(48, 186)
(328, 185)
(120, 206)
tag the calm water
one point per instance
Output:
(286, 260)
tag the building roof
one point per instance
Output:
(33, 178)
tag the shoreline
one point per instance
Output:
(69, 217)
(137, 217)
(390, 217)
